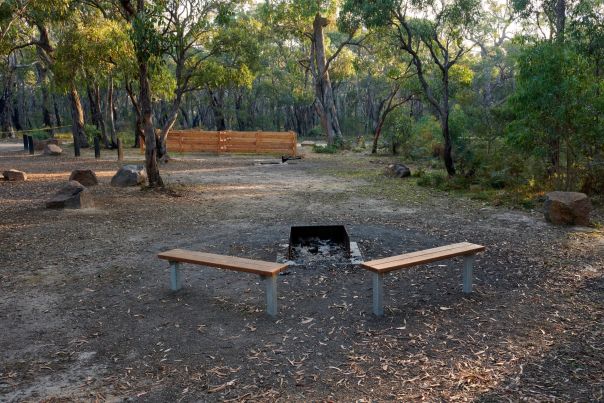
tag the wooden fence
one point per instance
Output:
(185, 141)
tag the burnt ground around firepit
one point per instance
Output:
(86, 311)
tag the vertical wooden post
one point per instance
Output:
(271, 294)
(378, 294)
(120, 150)
(468, 261)
(25, 143)
(295, 145)
(175, 277)
(76, 146)
(30, 144)
(97, 148)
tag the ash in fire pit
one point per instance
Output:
(326, 244)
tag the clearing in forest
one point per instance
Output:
(87, 312)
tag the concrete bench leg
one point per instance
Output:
(378, 294)
(175, 277)
(271, 294)
(468, 261)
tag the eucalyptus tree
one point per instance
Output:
(434, 35)
(150, 44)
(89, 51)
(28, 24)
(306, 22)
(387, 78)
(208, 48)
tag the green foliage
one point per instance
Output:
(91, 132)
(432, 179)
(39, 134)
(555, 108)
(332, 149)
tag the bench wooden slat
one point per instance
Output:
(421, 257)
(259, 267)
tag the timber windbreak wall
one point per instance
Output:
(186, 141)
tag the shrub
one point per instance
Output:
(432, 179)
(39, 134)
(325, 149)
(315, 133)
(91, 132)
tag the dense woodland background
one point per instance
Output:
(499, 94)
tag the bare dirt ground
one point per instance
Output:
(86, 312)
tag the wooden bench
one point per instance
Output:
(382, 266)
(267, 270)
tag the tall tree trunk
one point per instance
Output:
(560, 20)
(17, 117)
(94, 95)
(47, 117)
(217, 102)
(77, 116)
(151, 165)
(326, 106)
(139, 131)
(448, 151)
(44, 50)
(6, 101)
(56, 109)
(162, 150)
(110, 106)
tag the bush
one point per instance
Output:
(433, 179)
(39, 134)
(91, 132)
(315, 133)
(325, 149)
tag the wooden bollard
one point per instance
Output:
(120, 150)
(25, 143)
(76, 147)
(97, 148)
(30, 144)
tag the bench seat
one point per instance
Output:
(267, 270)
(380, 267)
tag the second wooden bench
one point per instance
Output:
(268, 271)
(382, 266)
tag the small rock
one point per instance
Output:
(73, 195)
(398, 171)
(40, 145)
(86, 177)
(52, 149)
(307, 143)
(129, 175)
(14, 175)
(571, 208)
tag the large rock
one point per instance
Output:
(40, 145)
(86, 177)
(129, 175)
(72, 195)
(14, 175)
(52, 149)
(398, 171)
(570, 208)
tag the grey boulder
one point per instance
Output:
(52, 149)
(129, 175)
(570, 208)
(14, 175)
(40, 145)
(72, 195)
(398, 171)
(86, 177)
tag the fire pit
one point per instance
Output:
(320, 245)
(324, 240)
